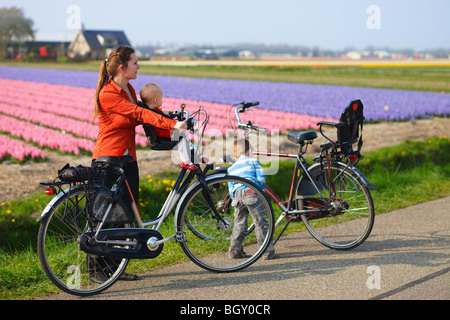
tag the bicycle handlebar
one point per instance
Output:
(191, 123)
(241, 108)
(183, 115)
(244, 105)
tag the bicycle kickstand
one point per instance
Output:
(284, 228)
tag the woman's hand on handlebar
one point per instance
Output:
(181, 125)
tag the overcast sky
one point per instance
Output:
(329, 24)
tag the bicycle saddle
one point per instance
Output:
(118, 162)
(301, 137)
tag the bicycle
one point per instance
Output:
(87, 234)
(329, 195)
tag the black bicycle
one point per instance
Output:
(329, 195)
(88, 234)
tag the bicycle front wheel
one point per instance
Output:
(65, 264)
(349, 215)
(211, 237)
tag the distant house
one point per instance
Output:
(355, 55)
(39, 50)
(95, 44)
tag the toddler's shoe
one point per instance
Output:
(189, 166)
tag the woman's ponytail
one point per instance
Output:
(103, 78)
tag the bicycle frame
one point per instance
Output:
(179, 188)
(301, 166)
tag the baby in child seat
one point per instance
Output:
(151, 95)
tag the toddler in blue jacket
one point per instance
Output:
(245, 202)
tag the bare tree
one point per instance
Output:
(14, 27)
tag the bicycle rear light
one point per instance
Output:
(50, 191)
(352, 158)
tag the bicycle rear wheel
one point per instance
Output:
(206, 240)
(66, 265)
(350, 212)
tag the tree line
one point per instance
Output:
(15, 28)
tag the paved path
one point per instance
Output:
(406, 257)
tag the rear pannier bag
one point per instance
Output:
(75, 174)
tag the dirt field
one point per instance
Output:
(19, 180)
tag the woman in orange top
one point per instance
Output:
(118, 114)
(116, 106)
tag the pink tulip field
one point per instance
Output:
(18, 149)
(44, 137)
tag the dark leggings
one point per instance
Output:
(99, 266)
(132, 173)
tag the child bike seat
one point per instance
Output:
(349, 130)
(155, 142)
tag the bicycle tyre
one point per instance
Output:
(205, 240)
(352, 212)
(65, 264)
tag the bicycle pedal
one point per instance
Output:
(293, 217)
(180, 236)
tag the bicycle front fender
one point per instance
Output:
(51, 203)
(191, 187)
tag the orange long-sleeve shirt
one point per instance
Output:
(118, 119)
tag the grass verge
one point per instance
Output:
(406, 174)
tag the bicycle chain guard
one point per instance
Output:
(138, 251)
